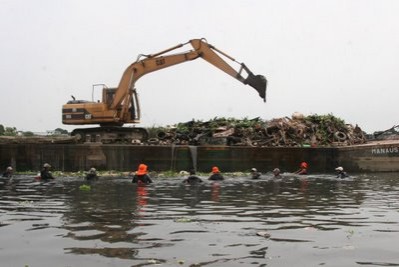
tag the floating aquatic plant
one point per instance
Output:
(85, 187)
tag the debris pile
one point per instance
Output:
(389, 134)
(297, 131)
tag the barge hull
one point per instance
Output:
(73, 157)
(373, 157)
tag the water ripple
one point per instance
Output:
(212, 224)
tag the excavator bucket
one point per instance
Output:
(258, 82)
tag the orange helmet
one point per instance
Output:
(142, 169)
(215, 170)
(304, 165)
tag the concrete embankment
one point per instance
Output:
(75, 157)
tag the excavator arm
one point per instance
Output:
(154, 62)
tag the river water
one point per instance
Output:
(297, 221)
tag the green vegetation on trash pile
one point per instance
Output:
(325, 126)
(220, 122)
(325, 121)
(210, 125)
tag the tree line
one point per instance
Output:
(12, 131)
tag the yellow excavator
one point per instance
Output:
(120, 105)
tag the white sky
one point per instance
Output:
(320, 57)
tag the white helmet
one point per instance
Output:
(46, 165)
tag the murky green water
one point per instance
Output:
(313, 221)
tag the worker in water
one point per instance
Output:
(340, 172)
(141, 176)
(255, 174)
(92, 175)
(303, 169)
(45, 174)
(216, 175)
(192, 178)
(8, 172)
(276, 173)
(7, 176)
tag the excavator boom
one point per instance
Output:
(202, 50)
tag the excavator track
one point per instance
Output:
(111, 135)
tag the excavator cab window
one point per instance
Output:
(108, 95)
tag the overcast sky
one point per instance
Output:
(320, 57)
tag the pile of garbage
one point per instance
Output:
(389, 134)
(297, 131)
